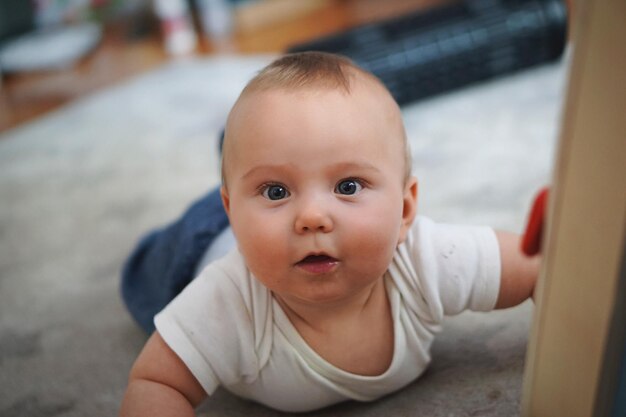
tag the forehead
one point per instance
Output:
(367, 111)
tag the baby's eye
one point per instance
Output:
(348, 187)
(275, 192)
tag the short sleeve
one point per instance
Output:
(454, 267)
(209, 326)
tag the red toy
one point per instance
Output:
(531, 241)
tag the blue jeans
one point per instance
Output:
(164, 261)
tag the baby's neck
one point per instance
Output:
(323, 317)
(355, 336)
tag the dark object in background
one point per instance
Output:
(433, 51)
(16, 17)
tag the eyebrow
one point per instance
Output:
(273, 168)
(340, 166)
(356, 166)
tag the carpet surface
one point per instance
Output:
(79, 187)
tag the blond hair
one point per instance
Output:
(305, 69)
(311, 69)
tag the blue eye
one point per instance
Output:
(348, 187)
(275, 192)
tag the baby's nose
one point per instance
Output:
(313, 217)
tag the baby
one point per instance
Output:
(336, 289)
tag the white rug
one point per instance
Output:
(78, 188)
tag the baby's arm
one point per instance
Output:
(160, 384)
(519, 272)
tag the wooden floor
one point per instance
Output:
(121, 55)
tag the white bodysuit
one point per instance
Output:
(229, 330)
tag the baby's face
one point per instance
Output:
(316, 191)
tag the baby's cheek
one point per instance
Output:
(375, 240)
(263, 246)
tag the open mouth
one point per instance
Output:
(317, 264)
(317, 258)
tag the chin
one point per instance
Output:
(321, 297)
(329, 296)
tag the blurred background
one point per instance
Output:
(98, 43)
(54, 51)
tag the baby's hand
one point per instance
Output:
(518, 272)
(533, 236)
(520, 268)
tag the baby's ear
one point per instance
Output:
(409, 207)
(225, 199)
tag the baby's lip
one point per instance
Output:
(316, 258)
(317, 263)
